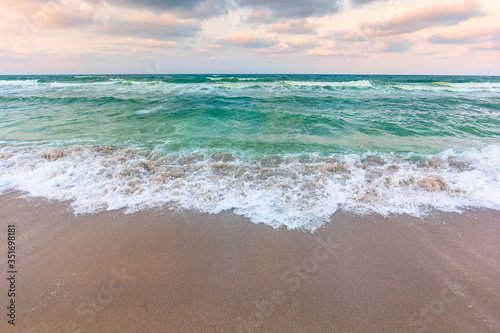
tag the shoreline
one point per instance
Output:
(278, 190)
(160, 270)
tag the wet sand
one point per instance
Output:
(164, 271)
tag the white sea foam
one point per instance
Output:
(18, 82)
(354, 84)
(153, 109)
(87, 76)
(279, 191)
(218, 82)
(232, 78)
(453, 87)
(76, 84)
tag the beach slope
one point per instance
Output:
(165, 271)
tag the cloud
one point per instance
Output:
(107, 19)
(148, 25)
(206, 10)
(395, 46)
(149, 43)
(363, 2)
(215, 46)
(426, 53)
(289, 46)
(54, 14)
(260, 16)
(82, 56)
(338, 50)
(26, 54)
(363, 48)
(201, 9)
(160, 4)
(419, 19)
(293, 8)
(296, 27)
(248, 39)
(9, 56)
(325, 53)
(301, 42)
(70, 11)
(488, 46)
(269, 45)
(466, 37)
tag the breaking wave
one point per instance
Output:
(290, 191)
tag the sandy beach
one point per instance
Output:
(250, 166)
(164, 271)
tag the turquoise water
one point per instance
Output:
(300, 121)
(255, 114)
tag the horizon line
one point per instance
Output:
(159, 74)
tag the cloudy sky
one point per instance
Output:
(250, 36)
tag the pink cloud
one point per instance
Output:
(153, 43)
(296, 27)
(147, 24)
(249, 39)
(54, 14)
(488, 46)
(325, 52)
(289, 46)
(259, 16)
(215, 46)
(427, 53)
(419, 19)
(394, 45)
(104, 18)
(300, 42)
(465, 37)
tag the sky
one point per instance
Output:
(250, 36)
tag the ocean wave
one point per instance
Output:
(89, 76)
(214, 79)
(76, 84)
(290, 191)
(347, 84)
(231, 79)
(233, 82)
(452, 87)
(214, 82)
(18, 82)
(150, 110)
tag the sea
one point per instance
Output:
(284, 150)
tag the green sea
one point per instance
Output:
(285, 150)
